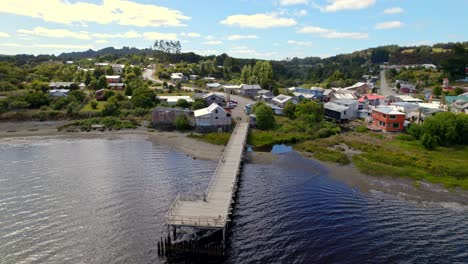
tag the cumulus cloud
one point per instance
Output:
(337, 5)
(159, 35)
(4, 35)
(293, 2)
(260, 21)
(50, 46)
(126, 35)
(300, 13)
(237, 37)
(331, 33)
(389, 25)
(244, 52)
(54, 33)
(190, 34)
(300, 43)
(122, 12)
(213, 42)
(393, 10)
(102, 41)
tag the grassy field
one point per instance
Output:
(87, 107)
(386, 155)
(213, 138)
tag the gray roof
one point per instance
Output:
(251, 87)
(58, 84)
(335, 107)
(263, 91)
(345, 101)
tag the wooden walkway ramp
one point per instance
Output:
(211, 210)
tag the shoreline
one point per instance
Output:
(192, 147)
(402, 187)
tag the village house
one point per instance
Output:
(281, 100)
(360, 88)
(209, 79)
(164, 117)
(214, 98)
(118, 68)
(59, 92)
(405, 87)
(172, 99)
(178, 77)
(193, 77)
(353, 105)
(99, 94)
(213, 85)
(459, 106)
(304, 96)
(371, 100)
(116, 86)
(388, 119)
(212, 118)
(337, 112)
(264, 95)
(231, 89)
(339, 93)
(112, 79)
(249, 90)
(58, 85)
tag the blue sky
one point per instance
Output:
(269, 29)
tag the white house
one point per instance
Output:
(281, 100)
(213, 85)
(214, 98)
(172, 100)
(353, 106)
(264, 95)
(118, 68)
(178, 77)
(212, 118)
(337, 112)
(59, 92)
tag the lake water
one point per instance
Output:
(103, 201)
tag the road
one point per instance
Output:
(385, 90)
(148, 75)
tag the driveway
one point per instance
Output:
(148, 75)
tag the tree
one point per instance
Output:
(178, 85)
(182, 123)
(290, 110)
(263, 73)
(310, 112)
(111, 109)
(199, 103)
(88, 78)
(102, 82)
(437, 91)
(379, 55)
(458, 91)
(77, 95)
(94, 104)
(265, 117)
(183, 103)
(246, 74)
(37, 99)
(144, 98)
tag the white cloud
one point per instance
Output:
(237, 37)
(300, 43)
(158, 36)
(4, 35)
(243, 52)
(54, 33)
(50, 46)
(209, 37)
(293, 2)
(122, 12)
(260, 21)
(205, 52)
(389, 25)
(213, 42)
(300, 13)
(331, 33)
(128, 34)
(393, 10)
(190, 34)
(337, 5)
(102, 41)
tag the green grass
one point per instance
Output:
(213, 138)
(439, 50)
(87, 107)
(321, 150)
(107, 122)
(404, 158)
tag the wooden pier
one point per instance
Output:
(211, 210)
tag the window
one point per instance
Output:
(216, 111)
(392, 116)
(345, 112)
(216, 117)
(212, 98)
(385, 116)
(396, 125)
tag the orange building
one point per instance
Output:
(388, 119)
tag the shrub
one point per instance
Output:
(265, 117)
(182, 123)
(428, 141)
(405, 137)
(361, 129)
(94, 104)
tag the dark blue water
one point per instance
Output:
(103, 201)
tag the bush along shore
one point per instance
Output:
(434, 151)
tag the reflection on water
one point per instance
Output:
(103, 201)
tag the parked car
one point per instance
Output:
(233, 101)
(231, 105)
